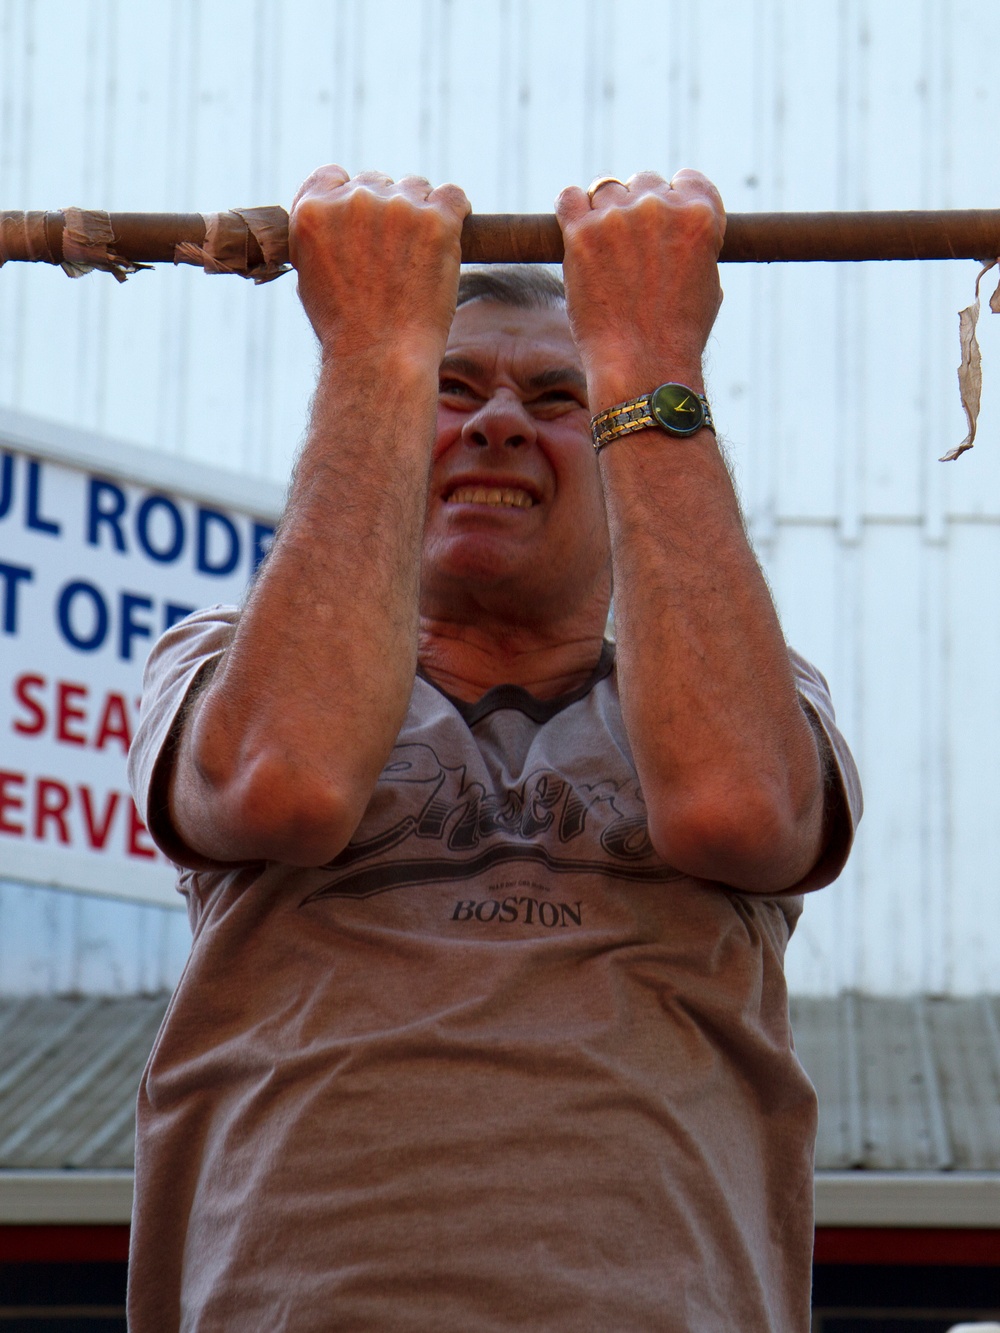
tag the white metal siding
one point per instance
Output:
(834, 385)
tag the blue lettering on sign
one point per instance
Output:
(161, 531)
(106, 504)
(34, 517)
(129, 628)
(168, 553)
(12, 576)
(6, 484)
(70, 595)
(88, 618)
(207, 519)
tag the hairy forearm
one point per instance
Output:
(284, 746)
(727, 760)
(280, 754)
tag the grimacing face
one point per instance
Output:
(515, 510)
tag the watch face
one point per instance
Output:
(678, 409)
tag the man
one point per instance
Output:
(484, 1025)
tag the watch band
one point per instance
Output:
(639, 414)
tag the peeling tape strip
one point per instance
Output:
(88, 243)
(226, 247)
(269, 227)
(24, 234)
(970, 372)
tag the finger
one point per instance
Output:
(692, 185)
(691, 182)
(322, 179)
(647, 182)
(607, 191)
(453, 198)
(372, 180)
(414, 187)
(571, 205)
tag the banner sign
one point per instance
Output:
(101, 550)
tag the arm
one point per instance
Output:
(727, 759)
(281, 749)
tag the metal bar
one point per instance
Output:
(751, 238)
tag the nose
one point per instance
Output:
(501, 421)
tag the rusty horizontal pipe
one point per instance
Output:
(751, 238)
(768, 238)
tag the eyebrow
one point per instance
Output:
(545, 379)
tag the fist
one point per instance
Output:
(377, 260)
(642, 279)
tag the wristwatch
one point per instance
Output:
(674, 408)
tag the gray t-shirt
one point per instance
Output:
(495, 1067)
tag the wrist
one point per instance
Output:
(674, 408)
(613, 380)
(406, 364)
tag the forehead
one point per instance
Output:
(534, 339)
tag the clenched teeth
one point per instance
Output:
(491, 495)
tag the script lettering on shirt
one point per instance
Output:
(430, 823)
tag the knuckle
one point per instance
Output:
(703, 217)
(308, 213)
(452, 195)
(647, 180)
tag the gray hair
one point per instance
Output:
(524, 286)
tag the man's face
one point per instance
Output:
(515, 515)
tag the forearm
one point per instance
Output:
(726, 758)
(285, 745)
(727, 761)
(280, 752)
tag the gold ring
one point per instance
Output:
(602, 181)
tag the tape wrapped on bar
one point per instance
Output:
(88, 243)
(269, 226)
(23, 236)
(226, 247)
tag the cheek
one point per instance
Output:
(449, 429)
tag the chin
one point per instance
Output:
(476, 556)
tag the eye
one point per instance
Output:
(449, 388)
(557, 400)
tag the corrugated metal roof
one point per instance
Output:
(904, 1084)
(69, 1072)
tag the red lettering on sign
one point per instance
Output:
(9, 801)
(113, 725)
(22, 688)
(137, 833)
(51, 804)
(98, 829)
(71, 714)
(66, 713)
(57, 812)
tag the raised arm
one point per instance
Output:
(727, 759)
(281, 749)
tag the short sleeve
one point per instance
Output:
(177, 662)
(843, 791)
